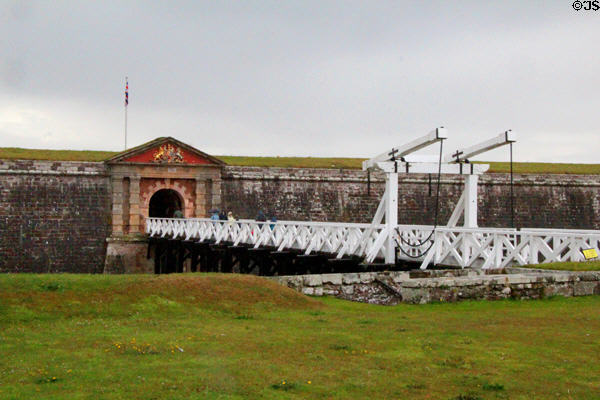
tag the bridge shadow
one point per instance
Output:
(177, 256)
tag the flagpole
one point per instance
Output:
(126, 104)
(125, 127)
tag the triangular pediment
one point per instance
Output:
(165, 150)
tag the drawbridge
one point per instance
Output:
(301, 247)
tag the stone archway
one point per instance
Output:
(164, 203)
(185, 189)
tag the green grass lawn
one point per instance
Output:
(568, 266)
(293, 162)
(215, 336)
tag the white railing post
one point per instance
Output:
(391, 215)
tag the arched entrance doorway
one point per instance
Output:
(164, 203)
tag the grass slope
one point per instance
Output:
(237, 337)
(568, 266)
(293, 162)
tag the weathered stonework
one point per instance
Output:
(128, 255)
(421, 287)
(55, 216)
(541, 200)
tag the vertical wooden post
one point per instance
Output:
(470, 199)
(391, 215)
(470, 215)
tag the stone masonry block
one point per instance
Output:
(563, 277)
(334, 279)
(313, 280)
(348, 279)
(293, 281)
(366, 277)
(519, 279)
(584, 288)
(348, 289)
(399, 276)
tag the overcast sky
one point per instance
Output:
(304, 78)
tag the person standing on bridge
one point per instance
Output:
(260, 217)
(230, 218)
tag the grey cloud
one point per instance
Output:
(306, 78)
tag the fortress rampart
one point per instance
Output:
(57, 216)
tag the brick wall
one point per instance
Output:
(546, 201)
(54, 216)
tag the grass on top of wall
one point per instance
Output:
(543, 168)
(294, 162)
(592, 265)
(214, 336)
(15, 153)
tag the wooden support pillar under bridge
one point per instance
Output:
(179, 255)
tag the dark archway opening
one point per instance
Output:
(164, 203)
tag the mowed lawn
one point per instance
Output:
(196, 336)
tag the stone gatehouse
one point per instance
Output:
(65, 216)
(158, 178)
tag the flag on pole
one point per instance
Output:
(126, 92)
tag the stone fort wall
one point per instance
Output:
(544, 201)
(56, 216)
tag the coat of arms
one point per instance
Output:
(169, 154)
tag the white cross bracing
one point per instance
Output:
(467, 246)
(488, 247)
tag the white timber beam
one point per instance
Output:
(420, 158)
(432, 168)
(397, 152)
(465, 154)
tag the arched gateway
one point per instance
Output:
(154, 180)
(164, 204)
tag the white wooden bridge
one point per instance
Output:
(389, 241)
(463, 247)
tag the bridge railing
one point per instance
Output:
(463, 247)
(499, 248)
(341, 239)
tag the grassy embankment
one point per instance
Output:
(297, 162)
(237, 337)
(568, 266)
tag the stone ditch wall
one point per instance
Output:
(421, 287)
(54, 216)
(543, 201)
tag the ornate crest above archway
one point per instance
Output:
(162, 164)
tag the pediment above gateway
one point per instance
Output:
(165, 151)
